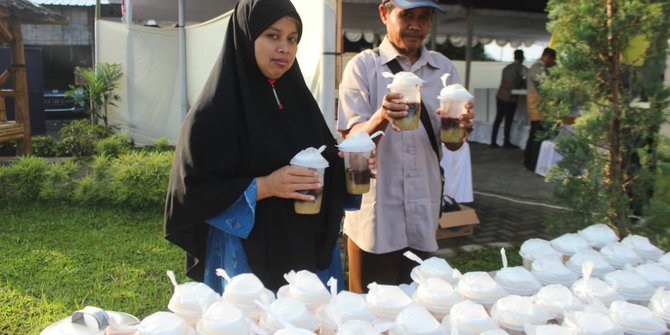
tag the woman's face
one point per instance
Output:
(276, 48)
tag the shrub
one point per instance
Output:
(163, 145)
(140, 179)
(58, 182)
(44, 146)
(79, 138)
(114, 145)
(23, 180)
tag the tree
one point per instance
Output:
(96, 93)
(610, 65)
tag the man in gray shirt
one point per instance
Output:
(401, 210)
(513, 77)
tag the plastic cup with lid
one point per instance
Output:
(190, 300)
(591, 323)
(409, 85)
(570, 243)
(416, 320)
(386, 301)
(517, 280)
(93, 320)
(600, 265)
(599, 235)
(164, 323)
(557, 299)
(643, 247)
(619, 254)
(551, 270)
(287, 310)
(437, 296)
(312, 159)
(630, 285)
(357, 149)
(305, 287)
(343, 307)
(636, 319)
(536, 248)
(548, 330)
(655, 274)
(223, 318)
(469, 318)
(479, 287)
(660, 304)
(357, 327)
(513, 311)
(435, 267)
(453, 99)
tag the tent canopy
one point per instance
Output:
(30, 13)
(522, 21)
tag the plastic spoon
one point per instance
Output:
(413, 256)
(282, 321)
(222, 273)
(322, 148)
(587, 269)
(173, 279)
(444, 78)
(503, 254)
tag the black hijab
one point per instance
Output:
(236, 132)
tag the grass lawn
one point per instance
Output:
(58, 259)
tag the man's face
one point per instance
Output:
(549, 60)
(407, 28)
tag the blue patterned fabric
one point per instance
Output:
(224, 243)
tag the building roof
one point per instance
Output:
(31, 13)
(81, 3)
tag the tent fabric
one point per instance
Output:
(150, 90)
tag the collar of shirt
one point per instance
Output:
(388, 52)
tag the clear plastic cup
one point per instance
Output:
(357, 150)
(310, 158)
(409, 85)
(453, 99)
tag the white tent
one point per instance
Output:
(151, 99)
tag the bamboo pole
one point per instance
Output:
(21, 108)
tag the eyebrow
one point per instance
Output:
(273, 28)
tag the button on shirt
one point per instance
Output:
(402, 207)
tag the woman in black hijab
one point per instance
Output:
(231, 181)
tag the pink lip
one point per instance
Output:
(280, 61)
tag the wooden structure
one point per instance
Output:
(12, 14)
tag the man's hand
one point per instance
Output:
(392, 108)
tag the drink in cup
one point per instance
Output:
(409, 85)
(357, 149)
(310, 158)
(453, 99)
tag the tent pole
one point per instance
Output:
(183, 97)
(468, 46)
(96, 32)
(129, 12)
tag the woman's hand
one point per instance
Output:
(286, 182)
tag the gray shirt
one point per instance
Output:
(513, 77)
(402, 207)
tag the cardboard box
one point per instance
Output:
(458, 223)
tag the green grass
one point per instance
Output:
(58, 259)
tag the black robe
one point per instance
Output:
(236, 132)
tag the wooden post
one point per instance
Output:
(18, 65)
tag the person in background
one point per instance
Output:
(513, 77)
(536, 74)
(401, 210)
(231, 192)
